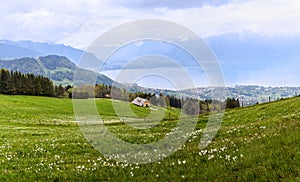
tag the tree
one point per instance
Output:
(4, 81)
(59, 90)
(24, 84)
(191, 106)
(232, 103)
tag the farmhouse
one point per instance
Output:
(141, 102)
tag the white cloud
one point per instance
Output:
(261, 17)
(170, 4)
(79, 23)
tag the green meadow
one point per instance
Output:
(40, 141)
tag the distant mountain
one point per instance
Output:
(58, 68)
(251, 94)
(21, 49)
(13, 51)
(61, 71)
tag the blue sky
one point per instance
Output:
(255, 41)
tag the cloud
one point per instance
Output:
(261, 17)
(170, 4)
(79, 23)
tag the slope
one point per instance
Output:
(58, 68)
(257, 143)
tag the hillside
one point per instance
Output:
(58, 68)
(39, 139)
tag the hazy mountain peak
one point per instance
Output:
(28, 48)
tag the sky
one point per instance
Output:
(232, 28)
(79, 23)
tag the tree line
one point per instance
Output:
(189, 105)
(17, 83)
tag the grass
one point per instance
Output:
(39, 141)
(106, 109)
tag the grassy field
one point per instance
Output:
(41, 141)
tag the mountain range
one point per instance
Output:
(55, 61)
(244, 59)
(21, 49)
(58, 62)
(58, 68)
(61, 71)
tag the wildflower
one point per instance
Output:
(223, 149)
(262, 127)
(210, 157)
(179, 162)
(202, 152)
(227, 157)
(214, 150)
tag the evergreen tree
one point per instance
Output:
(232, 103)
(24, 84)
(4, 81)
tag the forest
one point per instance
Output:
(17, 83)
